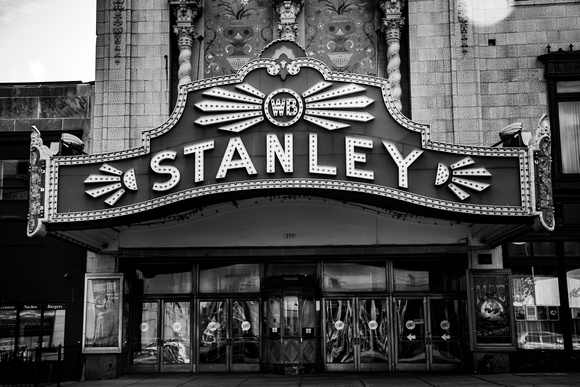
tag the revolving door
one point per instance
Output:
(292, 309)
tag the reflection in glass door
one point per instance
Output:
(229, 335)
(161, 337)
(444, 324)
(356, 334)
(427, 334)
(176, 338)
(373, 334)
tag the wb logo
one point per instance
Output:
(284, 107)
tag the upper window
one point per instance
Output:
(426, 275)
(238, 278)
(163, 279)
(569, 117)
(564, 92)
(355, 277)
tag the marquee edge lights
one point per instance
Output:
(531, 160)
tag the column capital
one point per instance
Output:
(288, 11)
(392, 8)
(186, 11)
(393, 22)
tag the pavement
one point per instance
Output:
(336, 380)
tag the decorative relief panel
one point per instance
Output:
(341, 33)
(235, 32)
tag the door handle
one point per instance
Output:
(428, 340)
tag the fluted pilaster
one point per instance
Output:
(288, 11)
(186, 11)
(393, 23)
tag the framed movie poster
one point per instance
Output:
(491, 314)
(102, 313)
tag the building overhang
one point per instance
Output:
(285, 125)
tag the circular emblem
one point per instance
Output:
(176, 326)
(144, 327)
(445, 324)
(212, 326)
(410, 325)
(246, 326)
(283, 107)
(373, 325)
(339, 325)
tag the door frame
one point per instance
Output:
(159, 367)
(229, 365)
(428, 365)
(357, 364)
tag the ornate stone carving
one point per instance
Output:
(39, 154)
(186, 11)
(392, 25)
(118, 9)
(288, 11)
(541, 146)
(342, 34)
(463, 18)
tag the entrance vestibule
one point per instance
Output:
(296, 318)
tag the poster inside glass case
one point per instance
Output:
(102, 313)
(491, 319)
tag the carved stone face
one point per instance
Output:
(238, 36)
(340, 30)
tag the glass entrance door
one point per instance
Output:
(427, 334)
(292, 341)
(356, 334)
(161, 336)
(229, 335)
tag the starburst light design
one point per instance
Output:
(118, 180)
(316, 105)
(455, 170)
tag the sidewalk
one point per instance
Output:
(335, 380)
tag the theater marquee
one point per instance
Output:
(287, 125)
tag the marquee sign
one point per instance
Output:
(286, 124)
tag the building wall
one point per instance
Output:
(132, 67)
(41, 270)
(471, 77)
(53, 106)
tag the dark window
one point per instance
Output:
(13, 179)
(564, 98)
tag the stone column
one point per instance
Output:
(392, 25)
(186, 11)
(288, 11)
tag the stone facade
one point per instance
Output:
(469, 89)
(472, 70)
(469, 77)
(56, 106)
(132, 71)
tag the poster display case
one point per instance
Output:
(103, 302)
(491, 315)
